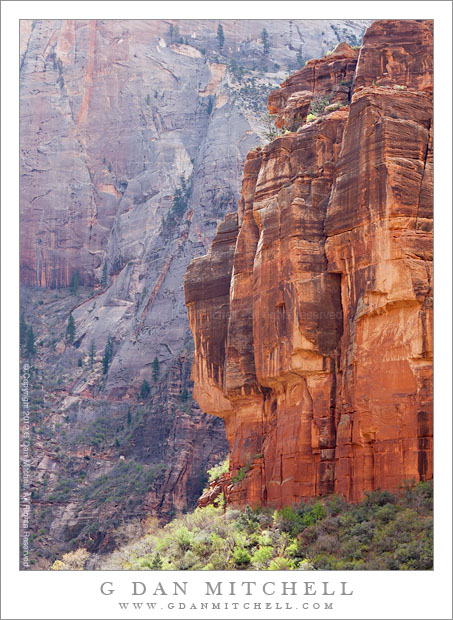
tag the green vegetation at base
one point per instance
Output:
(383, 532)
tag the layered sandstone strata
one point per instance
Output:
(318, 351)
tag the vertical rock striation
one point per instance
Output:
(320, 358)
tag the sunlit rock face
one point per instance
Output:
(326, 336)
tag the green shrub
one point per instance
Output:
(288, 520)
(241, 557)
(281, 563)
(183, 538)
(319, 104)
(241, 474)
(262, 557)
(218, 470)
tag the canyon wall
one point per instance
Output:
(119, 116)
(134, 135)
(312, 316)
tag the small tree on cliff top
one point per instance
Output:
(220, 37)
(269, 130)
(265, 41)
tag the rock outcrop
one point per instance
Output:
(320, 358)
(329, 77)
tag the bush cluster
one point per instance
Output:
(383, 532)
(319, 104)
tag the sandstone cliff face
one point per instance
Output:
(115, 116)
(326, 382)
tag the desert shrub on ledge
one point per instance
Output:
(383, 532)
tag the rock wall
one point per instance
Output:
(115, 117)
(325, 376)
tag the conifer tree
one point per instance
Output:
(220, 37)
(265, 41)
(70, 330)
(30, 342)
(23, 329)
(156, 562)
(108, 353)
(156, 369)
(104, 276)
(75, 283)
(92, 353)
(144, 390)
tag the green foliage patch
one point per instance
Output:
(383, 532)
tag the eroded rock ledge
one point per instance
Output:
(312, 312)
